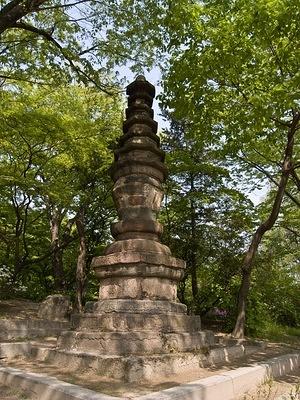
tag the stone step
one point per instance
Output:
(140, 368)
(144, 306)
(135, 342)
(44, 387)
(11, 329)
(146, 368)
(120, 321)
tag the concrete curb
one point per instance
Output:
(227, 385)
(48, 388)
(231, 384)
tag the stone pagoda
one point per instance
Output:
(137, 329)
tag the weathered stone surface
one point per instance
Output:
(126, 322)
(138, 257)
(137, 226)
(138, 288)
(137, 245)
(138, 314)
(137, 265)
(145, 368)
(134, 306)
(138, 275)
(134, 342)
(20, 328)
(55, 307)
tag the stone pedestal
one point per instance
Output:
(138, 313)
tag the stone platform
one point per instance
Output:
(12, 329)
(135, 368)
(225, 385)
(133, 340)
(135, 327)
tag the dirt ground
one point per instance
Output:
(18, 309)
(287, 386)
(25, 309)
(7, 393)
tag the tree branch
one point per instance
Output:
(12, 12)
(297, 234)
(295, 178)
(265, 226)
(81, 73)
(269, 176)
(62, 5)
(15, 78)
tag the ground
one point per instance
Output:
(287, 386)
(19, 308)
(7, 393)
(25, 309)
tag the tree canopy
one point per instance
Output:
(231, 99)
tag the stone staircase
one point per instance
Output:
(145, 356)
(123, 340)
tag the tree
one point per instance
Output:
(234, 73)
(205, 218)
(54, 151)
(61, 41)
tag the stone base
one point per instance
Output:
(132, 322)
(135, 327)
(142, 369)
(134, 343)
(134, 306)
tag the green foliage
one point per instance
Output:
(233, 75)
(233, 79)
(280, 333)
(205, 218)
(54, 158)
(62, 42)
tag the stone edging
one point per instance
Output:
(228, 385)
(46, 387)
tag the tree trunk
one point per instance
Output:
(15, 10)
(56, 251)
(181, 290)
(239, 329)
(17, 255)
(193, 257)
(81, 260)
(21, 212)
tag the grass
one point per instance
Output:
(16, 393)
(263, 392)
(268, 391)
(281, 334)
